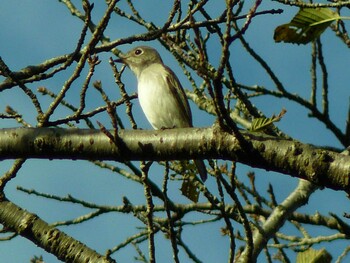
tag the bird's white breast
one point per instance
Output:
(156, 99)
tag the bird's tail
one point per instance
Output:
(201, 169)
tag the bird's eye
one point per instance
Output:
(138, 52)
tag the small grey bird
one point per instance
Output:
(160, 93)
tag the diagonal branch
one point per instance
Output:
(276, 220)
(47, 237)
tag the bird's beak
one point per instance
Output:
(119, 60)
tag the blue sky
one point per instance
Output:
(32, 32)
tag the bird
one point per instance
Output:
(160, 94)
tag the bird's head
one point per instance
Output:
(140, 58)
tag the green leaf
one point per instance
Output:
(260, 124)
(307, 25)
(314, 256)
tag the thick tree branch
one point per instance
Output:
(319, 166)
(45, 236)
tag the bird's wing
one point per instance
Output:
(179, 94)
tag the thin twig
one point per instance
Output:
(10, 174)
(325, 102)
(313, 73)
(171, 231)
(229, 227)
(149, 211)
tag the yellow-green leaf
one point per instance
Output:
(307, 25)
(314, 256)
(260, 124)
